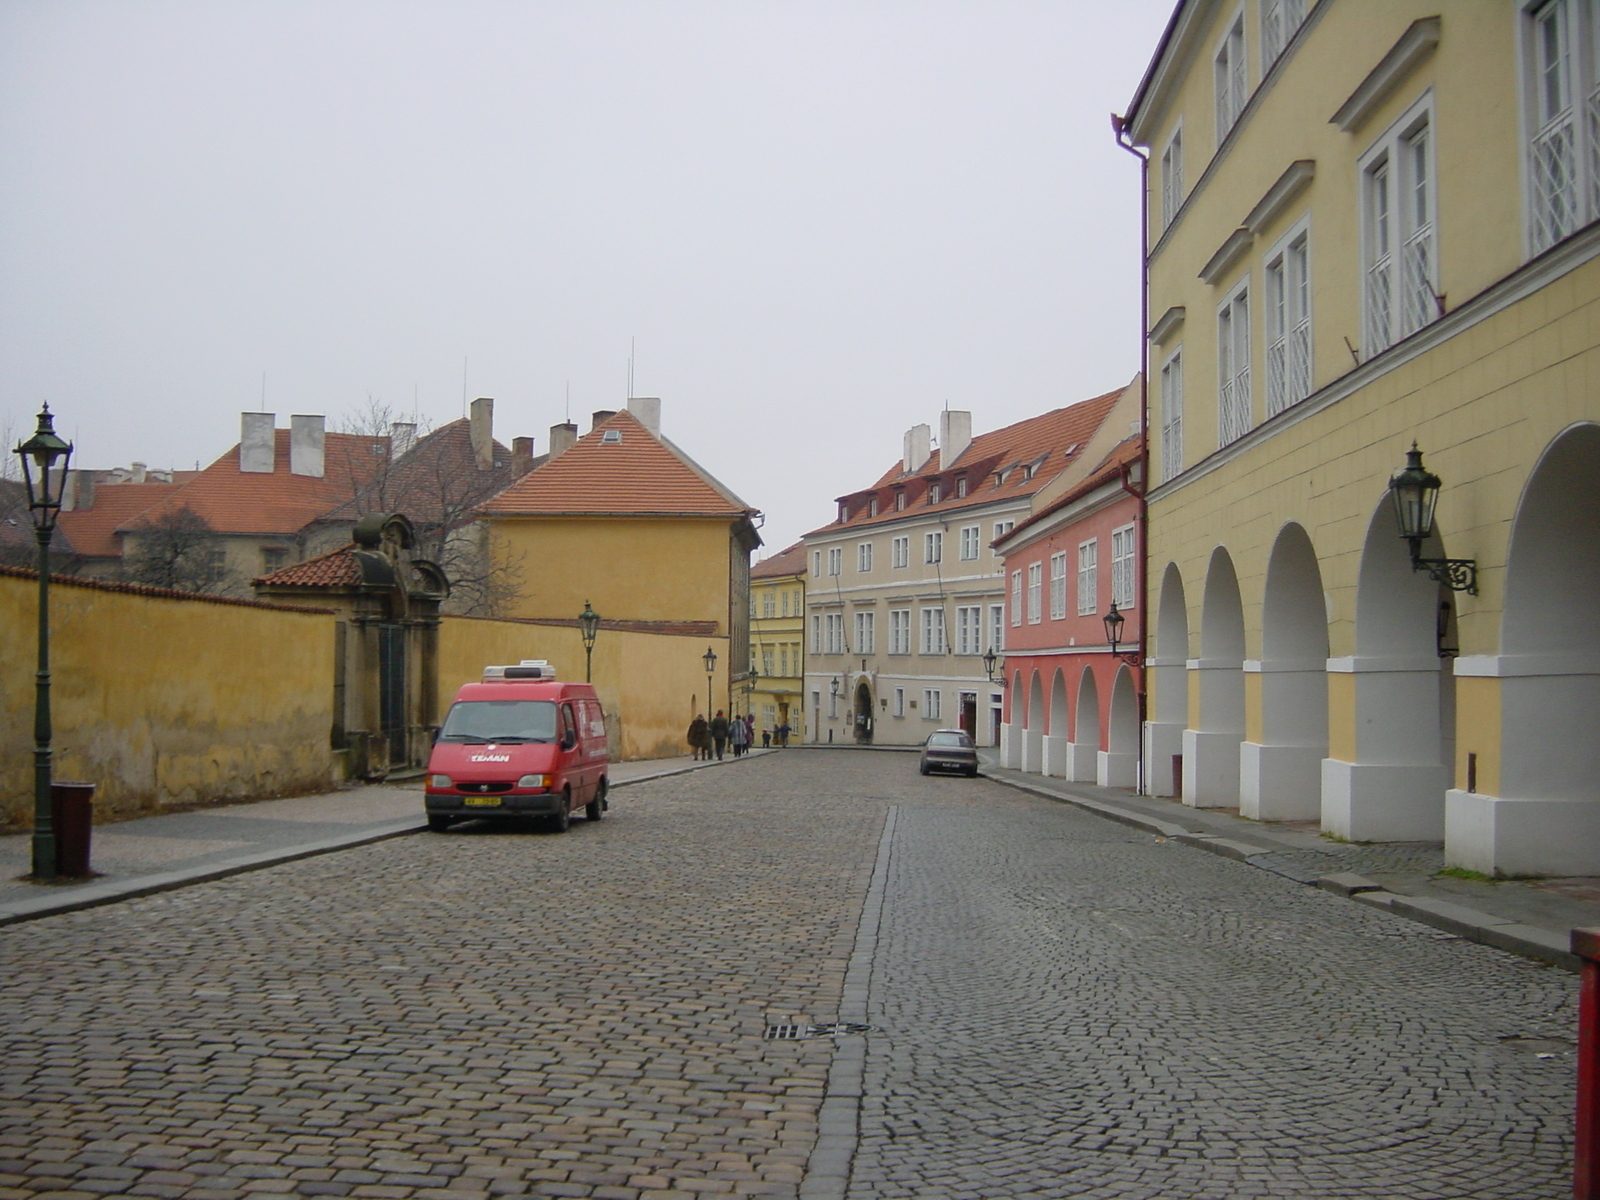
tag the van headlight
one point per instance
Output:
(439, 781)
(533, 781)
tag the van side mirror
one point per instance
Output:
(569, 739)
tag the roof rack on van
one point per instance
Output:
(528, 668)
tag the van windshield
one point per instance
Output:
(476, 721)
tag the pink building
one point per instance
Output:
(1072, 706)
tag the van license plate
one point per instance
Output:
(482, 801)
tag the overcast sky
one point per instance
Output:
(821, 222)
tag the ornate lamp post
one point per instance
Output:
(1415, 491)
(750, 700)
(39, 455)
(1113, 622)
(588, 625)
(709, 658)
(990, 660)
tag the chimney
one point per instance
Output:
(79, 491)
(599, 417)
(561, 439)
(139, 470)
(521, 456)
(648, 410)
(483, 433)
(257, 442)
(955, 435)
(918, 449)
(402, 436)
(306, 446)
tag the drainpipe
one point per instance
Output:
(1119, 127)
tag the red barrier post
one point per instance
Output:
(1586, 1142)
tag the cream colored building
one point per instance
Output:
(1373, 222)
(777, 642)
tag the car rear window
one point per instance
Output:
(949, 739)
(500, 721)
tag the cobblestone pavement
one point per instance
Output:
(1062, 1007)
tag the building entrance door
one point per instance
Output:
(863, 713)
(392, 692)
(969, 713)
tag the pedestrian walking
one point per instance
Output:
(749, 732)
(766, 739)
(699, 738)
(739, 735)
(719, 732)
(783, 733)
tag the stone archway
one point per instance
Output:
(1083, 756)
(1012, 729)
(1167, 674)
(1528, 800)
(1211, 748)
(1280, 776)
(1057, 741)
(1033, 738)
(861, 715)
(1385, 777)
(1119, 761)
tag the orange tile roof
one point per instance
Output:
(236, 501)
(1004, 464)
(337, 568)
(785, 562)
(1124, 454)
(436, 480)
(93, 530)
(641, 475)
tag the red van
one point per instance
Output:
(519, 744)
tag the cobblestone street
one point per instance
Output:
(1061, 1007)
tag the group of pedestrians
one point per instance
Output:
(708, 738)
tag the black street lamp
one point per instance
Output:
(1415, 492)
(588, 625)
(709, 658)
(1113, 622)
(750, 701)
(40, 453)
(990, 660)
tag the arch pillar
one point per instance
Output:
(1118, 764)
(1056, 740)
(1211, 751)
(1083, 754)
(1166, 678)
(1033, 730)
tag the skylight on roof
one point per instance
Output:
(612, 436)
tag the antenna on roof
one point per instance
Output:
(631, 342)
(568, 416)
(463, 385)
(263, 391)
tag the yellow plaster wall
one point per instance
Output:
(648, 706)
(1253, 720)
(632, 568)
(1342, 716)
(1478, 731)
(161, 701)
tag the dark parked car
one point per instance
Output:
(949, 750)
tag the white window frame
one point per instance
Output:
(1561, 118)
(933, 546)
(899, 708)
(997, 628)
(1058, 585)
(1235, 410)
(1230, 75)
(833, 633)
(1172, 415)
(863, 557)
(816, 633)
(970, 543)
(1279, 21)
(1035, 592)
(835, 559)
(899, 631)
(1124, 572)
(1286, 315)
(1399, 230)
(1088, 576)
(769, 604)
(969, 629)
(816, 564)
(934, 492)
(1172, 177)
(900, 551)
(933, 639)
(866, 633)
(932, 704)
(1016, 597)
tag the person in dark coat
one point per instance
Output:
(699, 738)
(719, 732)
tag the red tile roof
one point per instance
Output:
(785, 562)
(437, 480)
(639, 475)
(1005, 464)
(337, 568)
(136, 589)
(92, 530)
(236, 501)
(1124, 454)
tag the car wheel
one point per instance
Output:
(438, 824)
(596, 808)
(562, 821)
(972, 774)
(923, 769)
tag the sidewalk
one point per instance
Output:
(156, 854)
(1532, 918)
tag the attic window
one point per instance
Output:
(961, 486)
(899, 499)
(872, 507)
(933, 492)
(1072, 449)
(844, 511)
(611, 437)
(1000, 476)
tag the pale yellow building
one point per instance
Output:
(1373, 222)
(777, 641)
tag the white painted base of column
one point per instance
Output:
(1032, 753)
(1083, 762)
(1118, 770)
(1211, 769)
(1501, 836)
(1008, 746)
(1280, 783)
(1162, 739)
(1383, 802)
(1055, 756)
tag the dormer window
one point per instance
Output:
(844, 512)
(872, 507)
(899, 499)
(961, 486)
(933, 492)
(1072, 449)
(611, 437)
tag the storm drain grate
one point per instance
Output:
(794, 1033)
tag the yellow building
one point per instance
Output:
(777, 640)
(1373, 222)
(623, 521)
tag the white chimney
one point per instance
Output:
(648, 410)
(562, 438)
(955, 435)
(483, 433)
(257, 442)
(918, 449)
(139, 470)
(402, 436)
(306, 440)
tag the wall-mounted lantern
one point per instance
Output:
(1415, 491)
(1113, 622)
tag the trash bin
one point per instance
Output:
(72, 815)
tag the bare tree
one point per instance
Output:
(178, 550)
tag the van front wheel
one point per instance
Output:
(562, 821)
(596, 808)
(438, 824)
